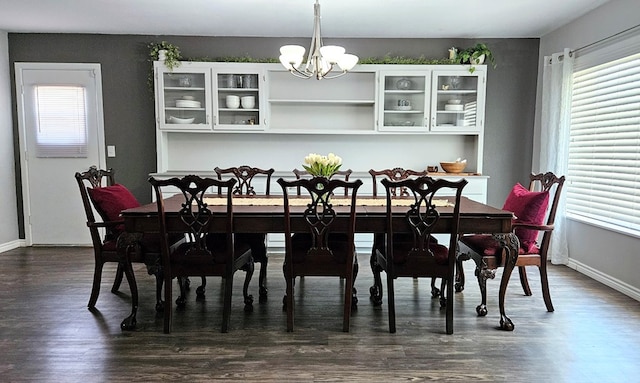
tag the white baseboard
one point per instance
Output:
(12, 245)
(605, 279)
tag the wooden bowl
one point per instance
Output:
(453, 167)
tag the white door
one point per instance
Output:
(61, 131)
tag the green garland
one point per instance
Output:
(173, 56)
(400, 60)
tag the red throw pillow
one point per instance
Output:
(529, 207)
(109, 201)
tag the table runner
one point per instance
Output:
(337, 201)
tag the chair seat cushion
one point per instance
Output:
(528, 207)
(486, 245)
(402, 251)
(109, 201)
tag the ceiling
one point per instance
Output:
(294, 18)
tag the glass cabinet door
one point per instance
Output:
(184, 97)
(404, 101)
(457, 101)
(238, 103)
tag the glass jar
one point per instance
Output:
(404, 84)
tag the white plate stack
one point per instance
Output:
(185, 103)
(453, 107)
(470, 114)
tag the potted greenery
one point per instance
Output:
(162, 51)
(167, 52)
(476, 55)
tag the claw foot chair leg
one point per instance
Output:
(129, 323)
(248, 298)
(375, 291)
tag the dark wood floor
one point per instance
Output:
(48, 335)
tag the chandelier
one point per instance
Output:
(321, 60)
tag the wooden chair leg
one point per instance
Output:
(460, 280)
(129, 323)
(354, 294)
(348, 299)
(545, 286)
(449, 305)
(226, 309)
(483, 275)
(168, 293)
(524, 281)
(201, 289)
(262, 280)
(375, 291)
(159, 281)
(289, 303)
(118, 279)
(435, 292)
(181, 301)
(95, 289)
(443, 298)
(392, 304)
(248, 298)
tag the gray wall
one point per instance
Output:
(9, 221)
(607, 256)
(129, 111)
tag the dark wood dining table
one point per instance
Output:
(265, 214)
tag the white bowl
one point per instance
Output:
(454, 102)
(191, 98)
(232, 102)
(248, 102)
(176, 120)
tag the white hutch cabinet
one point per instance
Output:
(183, 97)
(374, 117)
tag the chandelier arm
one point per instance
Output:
(335, 75)
(296, 72)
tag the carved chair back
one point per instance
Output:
(395, 174)
(244, 175)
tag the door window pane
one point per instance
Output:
(61, 121)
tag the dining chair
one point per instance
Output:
(345, 174)
(394, 174)
(257, 241)
(200, 255)
(535, 210)
(420, 256)
(314, 251)
(111, 243)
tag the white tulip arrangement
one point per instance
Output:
(322, 166)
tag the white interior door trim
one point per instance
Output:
(24, 166)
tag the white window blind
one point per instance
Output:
(61, 121)
(604, 149)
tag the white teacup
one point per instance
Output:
(233, 102)
(248, 102)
